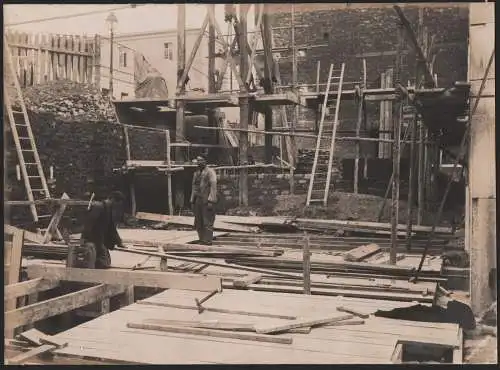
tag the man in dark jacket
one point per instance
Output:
(100, 234)
(203, 199)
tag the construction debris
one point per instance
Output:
(69, 100)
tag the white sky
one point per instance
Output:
(148, 17)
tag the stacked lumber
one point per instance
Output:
(364, 227)
(288, 264)
(69, 99)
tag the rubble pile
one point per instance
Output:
(70, 101)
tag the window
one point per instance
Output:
(168, 51)
(123, 58)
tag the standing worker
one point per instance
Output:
(100, 234)
(203, 199)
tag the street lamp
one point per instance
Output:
(111, 20)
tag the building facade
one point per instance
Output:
(160, 50)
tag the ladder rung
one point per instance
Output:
(21, 124)
(27, 150)
(315, 200)
(44, 216)
(18, 111)
(37, 189)
(34, 177)
(30, 164)
(24, 138)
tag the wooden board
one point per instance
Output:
(211, 333)
(372, 342)
(360, 253)
(55, 306)
(189, 221)
(302, 323)
(28, 287)
(153, 279)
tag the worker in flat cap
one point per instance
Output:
(203, 200)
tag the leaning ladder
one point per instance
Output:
(29, 161)
(317, 185)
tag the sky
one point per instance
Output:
(143, 18)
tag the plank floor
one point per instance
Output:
(107, 337)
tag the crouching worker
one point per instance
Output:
(203, 200)
(99, 233)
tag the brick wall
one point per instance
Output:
(347, 33)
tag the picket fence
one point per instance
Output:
(41, 58)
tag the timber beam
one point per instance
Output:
(154, 279)
(28, 287)
(56, 306)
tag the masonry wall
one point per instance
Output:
(347, 34)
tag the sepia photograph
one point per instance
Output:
(238, 183)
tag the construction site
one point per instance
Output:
(354, 187)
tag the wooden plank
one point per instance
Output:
(189, 221)
(28, 287)
(219, 310)
(12, 272)
(250, 279)
(56, 219)
(28, 235)
(301, 323)
(210, 262)
(306, 263)
(360, 253)
(211, 333)
(205, 324)
(397, 356)
(458, 353)
(55, 306)
(375, 225)
(31, 353)
(346, 322)
(38, 338)
(112, 276)
(352, 312)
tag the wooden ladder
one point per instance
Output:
(318, 186)
(29, 160)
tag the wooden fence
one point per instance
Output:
(44, 57)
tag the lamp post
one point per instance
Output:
(111, 20)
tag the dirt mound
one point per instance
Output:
(341, 206)
(69, 100)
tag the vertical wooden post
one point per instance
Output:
(179, 118)
(398, 111)
(128, 296)
(133, 204)
(358, 146)
(419, 79)
(306, 256)
(169, 174)
(268, 68)
(244, 107)
(420, 178)
(211, 70)
(411, 182)
(97, 62)
(295, 119)
(382, 124)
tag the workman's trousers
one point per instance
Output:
(204, 218)
(92, 255)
